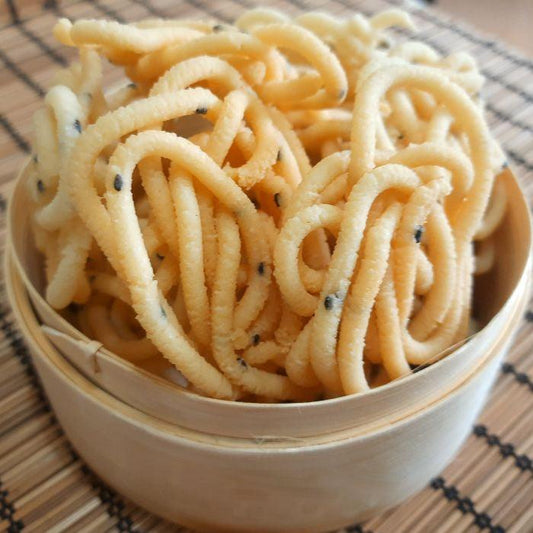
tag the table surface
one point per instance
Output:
(45, 486)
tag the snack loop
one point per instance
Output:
(280, 209)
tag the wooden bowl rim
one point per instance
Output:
(42, 347)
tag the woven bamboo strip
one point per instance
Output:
(24, 432)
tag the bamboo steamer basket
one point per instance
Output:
(215, 483)
(215, 465)
(358, 413)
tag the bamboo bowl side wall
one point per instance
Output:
(221, 484)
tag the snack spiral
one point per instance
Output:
(280, 209)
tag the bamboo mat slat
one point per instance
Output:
(44, 486)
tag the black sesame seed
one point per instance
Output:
(505, 165)
(255, 339)
(159, 256)
(35, 158)
(277, 199)
(132, 86)
(419, 230)
(163, 312)
(218, 27)
(118, 183)
(261, 268)
(201, 110)
(77, 125)
(40, 185)
(401, 136)
(242, 362)
(328, 302)
(383, 45)
(279, 156)
(342, 94)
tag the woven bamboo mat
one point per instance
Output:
(44, 486)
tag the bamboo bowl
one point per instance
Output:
(216, 465)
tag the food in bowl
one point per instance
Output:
(282, 210)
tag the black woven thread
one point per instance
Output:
(43, 47)
(19, 23)
(426, 36)
(506, 449)
(150, 8)
(7, 508)
(16, 137)
(486, 43)
(509, 86)
(50, 4)
(357, 529)
(521, 377)
(506, 118)
(113, 503)
(116, 509)
(111, 13)
(21, 75)
(517, 158)
(298, 3)
(465, 505)
(13, 13)
(210, 11)
(346, 4)
(422, 36)
(7, 512)
(54, 6)
(15, 341)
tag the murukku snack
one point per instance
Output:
(282, 209)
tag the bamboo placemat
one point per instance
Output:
(44, 486)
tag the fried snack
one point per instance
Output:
(282, 209)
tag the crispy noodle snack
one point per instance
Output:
(282, 210)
